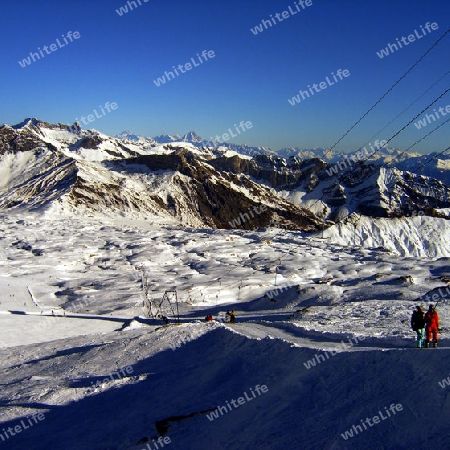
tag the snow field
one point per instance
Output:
(297, 299)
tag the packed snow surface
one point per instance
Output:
(322, 340)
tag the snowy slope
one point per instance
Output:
(178, 376)
(408, 236)
(106, 379)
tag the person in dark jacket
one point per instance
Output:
(418, 325)
(431, 326)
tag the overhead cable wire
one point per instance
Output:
(421, 139)
(410, 122)
(395, 135)
(406, 109)
(390, 89)
(431, 159)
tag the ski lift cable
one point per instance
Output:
(418, 141)
(390, 89)
(406, 109)
(400, 154)
(409, 123)
(367, 113)
(431, 159)
(421, 139)
(394, 136)
(415, 143)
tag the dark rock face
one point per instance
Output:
(90, 142)
(13, 141)
(379, 191)
(218, 202)
(278, 172)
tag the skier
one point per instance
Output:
(228, 316)
(233, 316)
(418, 325)
(431, 326)
(209, 318)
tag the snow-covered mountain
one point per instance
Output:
(64, 168)
(193, 138)
(433, 165)
(53, 167)
(369, 189)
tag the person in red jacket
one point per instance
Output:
(431, 326)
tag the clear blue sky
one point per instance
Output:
(251, 77)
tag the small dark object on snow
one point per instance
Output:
(165, 319)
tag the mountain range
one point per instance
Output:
(57, 168)
(436, 165)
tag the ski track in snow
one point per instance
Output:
(297, 299)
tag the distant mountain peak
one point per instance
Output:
(127, 134)
(192, 137)
(29, 121)
(167, 138)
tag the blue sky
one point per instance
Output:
(251, 77)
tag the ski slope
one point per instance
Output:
(323, 325)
